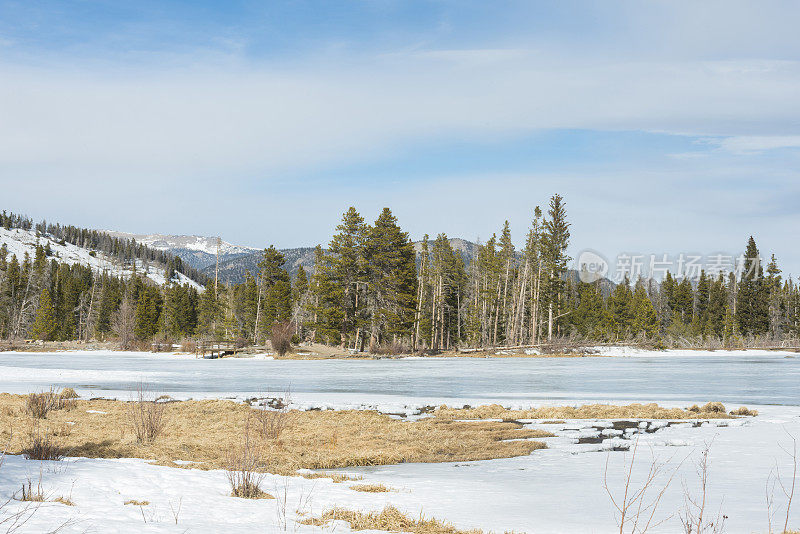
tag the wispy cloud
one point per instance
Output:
(756, 143)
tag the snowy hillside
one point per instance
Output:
(19, 242)
(196, 251)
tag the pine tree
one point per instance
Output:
(44, 324)
(645, 320)
(300, 285)
(701, 304)
(619, 311)
(717, 305)
(555, 242)
(534, 261)
(344, 274)
(588, 315)
(390, 279)
(775, 302)
(752, 308)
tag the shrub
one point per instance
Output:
(31, 493)
(243, 465)
(272, 418)
(390, 349)
(714, 407)
(282, 337)
(146, 415)
(38, 405)
(42, 445)
(744, 411)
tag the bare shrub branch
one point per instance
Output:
(693, 516)
(281, 337)
(774, 478)
(637, 506)
(42, 445)
(244, 468)
(146, 415)
(272, 417)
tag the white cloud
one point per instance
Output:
(757, 143)
(270, 120)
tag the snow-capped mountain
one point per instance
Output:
(196, 251)
(19, 242)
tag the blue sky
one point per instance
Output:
(668, 126)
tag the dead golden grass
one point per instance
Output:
(203, 431)
(587, 411)
(370, 488)
(745, 412)
(389, 519)
(64, 500)
(134, 502)
(337, 478)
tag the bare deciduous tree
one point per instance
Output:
(123, 322)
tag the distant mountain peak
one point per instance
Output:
(189, 242)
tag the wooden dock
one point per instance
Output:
(211, 350)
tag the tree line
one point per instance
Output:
(124, 251)
(371, 289)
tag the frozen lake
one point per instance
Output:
(554, 490)
(755, 378)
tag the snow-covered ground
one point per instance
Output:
(559, 489)
(20, 242)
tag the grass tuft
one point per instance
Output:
(370, 488)
(64, 500)
(389, 519)
(744, 412)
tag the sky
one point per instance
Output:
(669, 127)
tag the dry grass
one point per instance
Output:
(370, 488)
(587, 411)
(336, 478)
(134, 502)
(744, 412)
(64, 500)
(389, 519)
(202, 431)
